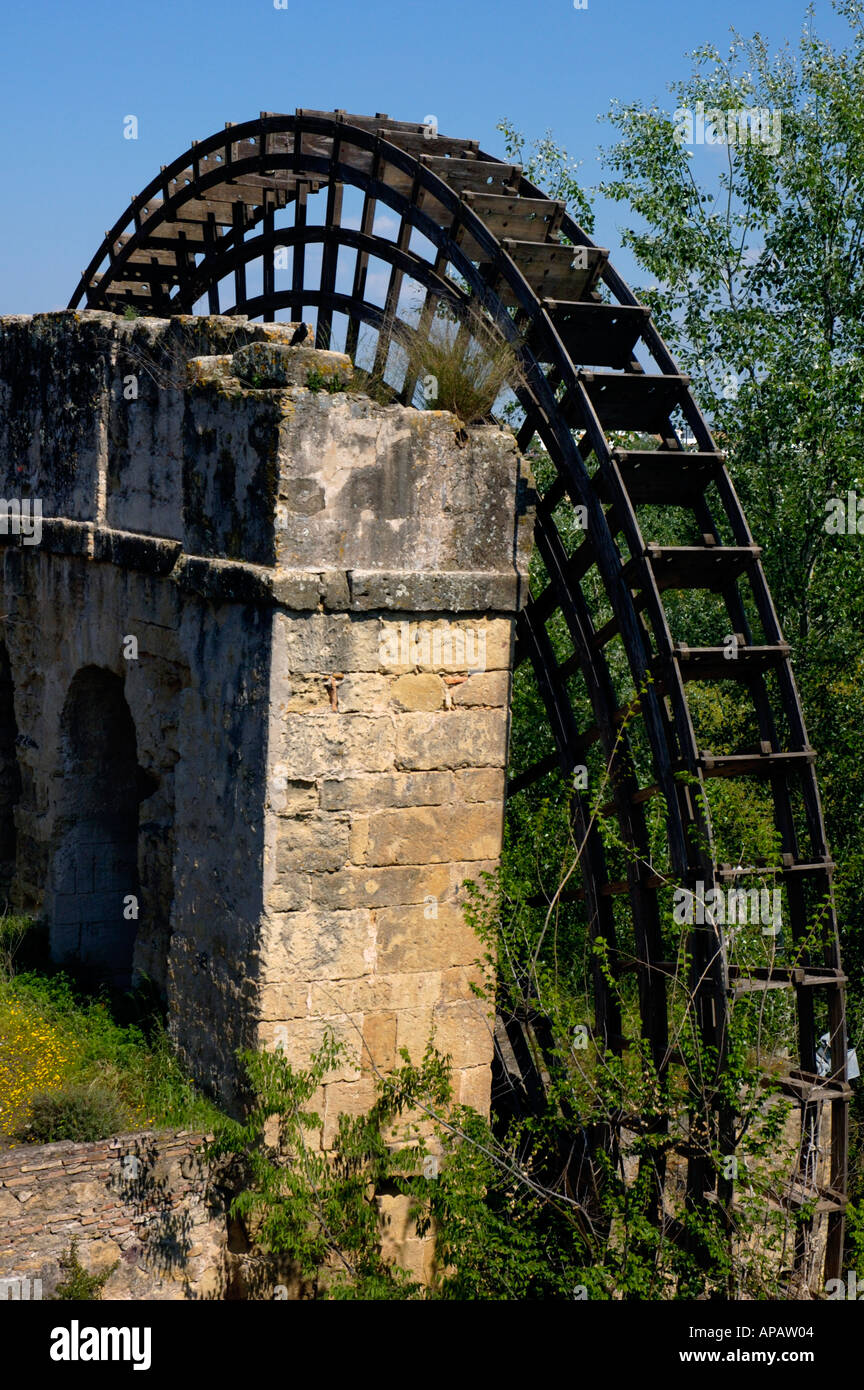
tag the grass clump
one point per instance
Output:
(78, 1111)
(460, 371)
(461, 365)
(457, 361)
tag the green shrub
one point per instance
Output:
(79, 1286)
(78, 1112)
(325, 381)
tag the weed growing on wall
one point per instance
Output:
(78, 1286)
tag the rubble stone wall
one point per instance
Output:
(137, 1204)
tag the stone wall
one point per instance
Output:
(306, 601)
(136, 1201)
(387, 785)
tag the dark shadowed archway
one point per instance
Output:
(94, 876)
(10, 780)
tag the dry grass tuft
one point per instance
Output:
(458, 363)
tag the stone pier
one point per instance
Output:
(254, 687)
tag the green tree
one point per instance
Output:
(754, 249)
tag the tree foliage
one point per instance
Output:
(755, 259)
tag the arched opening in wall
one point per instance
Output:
(94, 878)
(10, 780)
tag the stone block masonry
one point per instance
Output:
(138, 1202)
(255, 687)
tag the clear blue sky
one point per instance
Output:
(70, 72)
